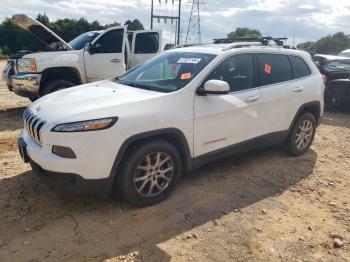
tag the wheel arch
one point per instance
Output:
(313, 107)
(63, 73)
(171, 135)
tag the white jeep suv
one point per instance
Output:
(185, 107)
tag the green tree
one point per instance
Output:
(134, 25)
(331, 44)
(13, 38)
(244, 32)
(308, 46)
(44, 19)
(111, 25)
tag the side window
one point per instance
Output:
(300, 68)
(274, 69)
(110, 42)
(237, 71)
(147, 43)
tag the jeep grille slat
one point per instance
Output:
(33, 125)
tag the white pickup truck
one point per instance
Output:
(90, 57)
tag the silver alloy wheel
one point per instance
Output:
(304, 134)
(154, 174)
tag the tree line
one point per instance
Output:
(14, 39)
(331, 44)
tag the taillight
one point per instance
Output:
(324, 78)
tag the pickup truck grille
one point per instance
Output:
(33, 125)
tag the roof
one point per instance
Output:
(235, 47)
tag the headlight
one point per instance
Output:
(88, 125)
(26, 65)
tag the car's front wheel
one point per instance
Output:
(149, 173)
(301, 135)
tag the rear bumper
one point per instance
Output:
(72, 183)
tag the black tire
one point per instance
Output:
(56, 85)
(291, 142)
(126, 184)
(33, 98)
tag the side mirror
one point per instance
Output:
(89, 48)
(214, 87)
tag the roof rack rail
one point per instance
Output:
(265, 40)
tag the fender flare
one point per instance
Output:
(185, 152)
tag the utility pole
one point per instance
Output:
(165, 17)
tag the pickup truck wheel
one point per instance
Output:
(149, 173)
(56, 85)
(301, 135)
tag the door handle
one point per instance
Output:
(251, 99)
(298, 89)
(116, 60)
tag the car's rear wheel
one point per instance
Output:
(149, 173)
(302, 135)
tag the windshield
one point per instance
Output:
(80, 41)
(346, 54)
(167, 72)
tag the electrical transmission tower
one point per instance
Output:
(193, 34)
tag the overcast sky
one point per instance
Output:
(303, 19)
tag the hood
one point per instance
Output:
(40, 31)
(89, 101)
(332, 57)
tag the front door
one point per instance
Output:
(225, 120)
(107, 57)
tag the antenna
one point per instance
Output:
(167, 17)
(194, 23)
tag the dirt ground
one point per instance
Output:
(261, 206)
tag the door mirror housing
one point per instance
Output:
(90, 48)
(214, 87)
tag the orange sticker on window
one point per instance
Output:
(186, 76)
(268, 69)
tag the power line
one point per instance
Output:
(177, 18)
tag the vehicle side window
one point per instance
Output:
(300, 68)
(147, 43)
(274, 68)
(110, 42)
(237, 71)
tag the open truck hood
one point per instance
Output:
(40, 31)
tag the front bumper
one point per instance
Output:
(91, 171)
(66, 182)
(72, 183)
(7, 73)
(26, 85)
(23, 84)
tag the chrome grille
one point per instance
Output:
(33, 124)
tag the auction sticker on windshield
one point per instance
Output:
(189, 60)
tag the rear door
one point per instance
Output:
(107, 59)
(278, 90)
(144, 45)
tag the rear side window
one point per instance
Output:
(147, 43)
(300, 68)
(274, 69)
(110, 42)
